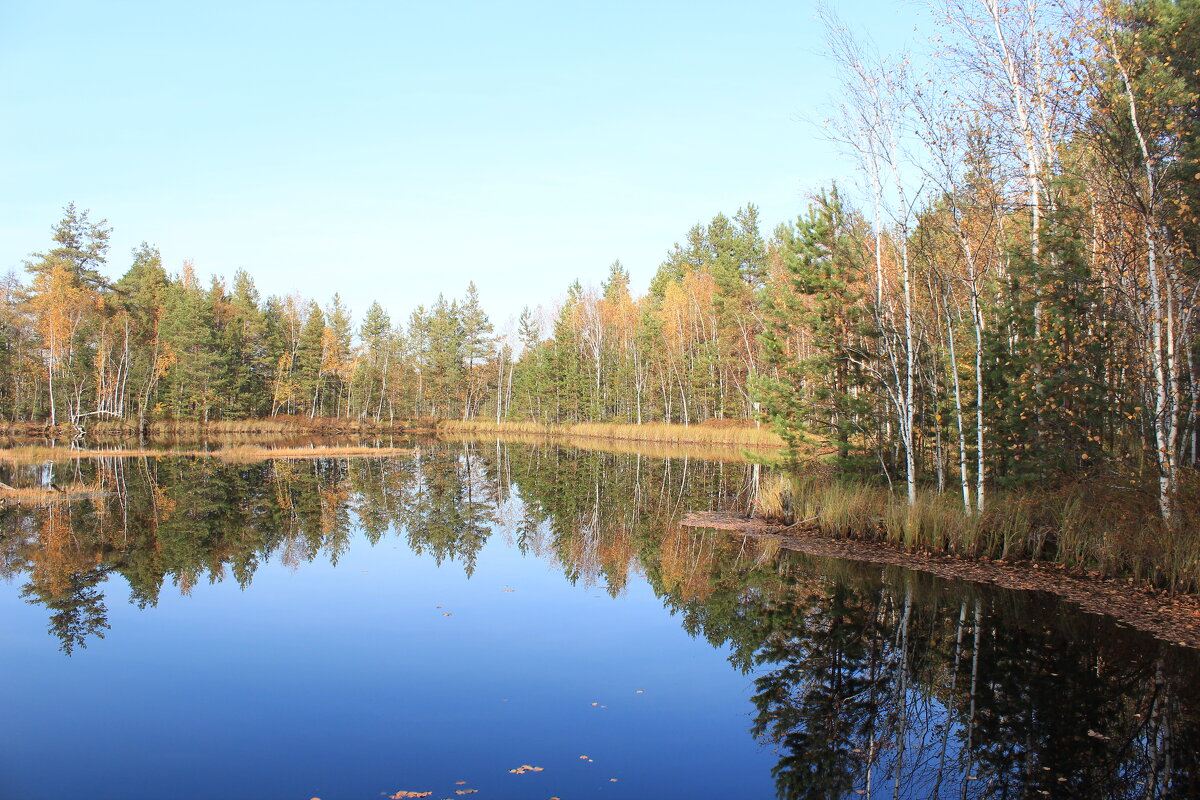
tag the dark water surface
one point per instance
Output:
(346, 629)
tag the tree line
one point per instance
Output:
(1004, 293)
(154, 346)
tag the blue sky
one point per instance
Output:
(393, 151)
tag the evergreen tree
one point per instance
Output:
(817, 394)
(310, 361)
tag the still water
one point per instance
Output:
(450, 620)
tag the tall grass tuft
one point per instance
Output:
(1113, 530)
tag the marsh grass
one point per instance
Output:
(1113, 531)
(45, 495)
(36, 454)
(255, 453)
(715, 452)
(280, 425)
(730, 433)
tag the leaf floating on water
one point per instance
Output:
(465, 791)
(595, 704)
(521, 770)
(402, 794)
(612, 780)
(447, 614)
(584, 758)
(459, 783)
(640, 691)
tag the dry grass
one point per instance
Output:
(726, 453)
(43, 495)
(282, 424)
(37, 454)
(733, 434)
(241, 453)
(278, 425)
(255, 453)
(1078, 526)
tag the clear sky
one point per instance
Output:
(396, 150)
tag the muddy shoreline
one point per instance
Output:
(1172, 618)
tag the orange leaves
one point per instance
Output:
(521, 770)
(402, 794)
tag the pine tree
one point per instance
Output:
(310, 361)
(818, 394)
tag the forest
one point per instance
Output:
(1002, 295)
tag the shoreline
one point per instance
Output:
(723, 435)
(1174, 619)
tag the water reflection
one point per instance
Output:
(880, 682)
(869, 681)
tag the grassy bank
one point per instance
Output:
(703, 452)
(241, 453)
(713, 432)
(269, 426)
(42, 495)
(1113, 531)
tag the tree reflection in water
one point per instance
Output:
(869, 681)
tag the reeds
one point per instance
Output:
(1076, 526)
(241, 453)
(733, 434)
(702, 452)
(282, 424)
(255, 453)
(43, 495)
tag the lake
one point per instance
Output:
(488, 620)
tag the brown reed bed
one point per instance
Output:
(36, 454)
(279, 425)
(729, 454)
(1111, 529)
(43, 495)
(731, 433)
